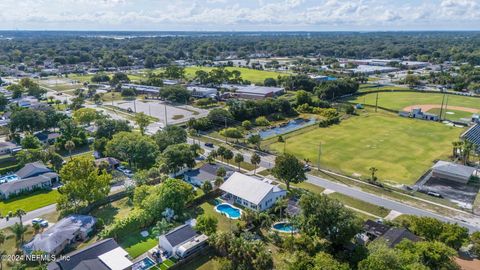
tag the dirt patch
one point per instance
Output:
(427, 107)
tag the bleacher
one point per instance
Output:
(473, 135)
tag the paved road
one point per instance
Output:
(387, 203)
(29, 216)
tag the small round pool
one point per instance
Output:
(229, 210)
(284, 227)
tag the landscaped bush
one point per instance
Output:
(329, 121)
(262, 121)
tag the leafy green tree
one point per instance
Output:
(27, 120)
(169, 136)
(238, 159)
(207, 187)
(255, 160)
(271, 82)
(328, 218)
(106, 128)
(83, 184)
(255, 139)
(206, 224)
(303, 97)
(262, 121)
(85, 115)
(228, 155)
(177, 157)
(174, 72)
(383, 257)
(325, 261)
(247, 124)
(433, 255)
(175, 93)
(31, 142)
(162, 227)
(19, 232)
(231, 132)
(16, 89)
(139, 151)
(142, 121)
(69, 146)
(288, 169)
(221, 172)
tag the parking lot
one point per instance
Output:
(158, 109)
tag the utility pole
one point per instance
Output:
(376, 103)
(441, 107)
(166, 121)
(134, 106)
(319, 155)
(149, 110)
(446, 107)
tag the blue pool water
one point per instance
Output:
(8, 178)
(144, 264)
(290, 126)
(284, 227)
(229, 210)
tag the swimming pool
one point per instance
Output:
(284, 227)
(286, 127)
(8, 178)
(229, 210)
(144, 264)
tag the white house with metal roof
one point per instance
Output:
(250, 192)
(182, 241)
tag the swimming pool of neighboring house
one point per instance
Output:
(229, 210)
(144, 264)
(284, 227)
(8, 178)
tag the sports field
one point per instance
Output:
(401, 149)
(400, 100)
(253, 75)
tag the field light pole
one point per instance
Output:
(376, 103)
(441, 107)
(319, 154)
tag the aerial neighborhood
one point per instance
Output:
(239, 150)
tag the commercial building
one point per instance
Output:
(453, 172)
(253, 91)
(202, 92)
(250, 192)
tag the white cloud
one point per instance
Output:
(239, 15)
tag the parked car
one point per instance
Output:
(209, 145)
(43, 223)
(125, 171)
(435, 194)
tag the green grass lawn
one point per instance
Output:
(114, 211)
(402, 149)
(371, 87)
(360, 205)
(253, 75)
(400, 100)
(453, 115)
(136, 245)
(29, 202)
(224, 223)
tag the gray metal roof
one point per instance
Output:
(396, 235)
(25, 183)
(453, 169)
(180, 234)
(32, 169)
(473, 135)
(64, 230)
(86, 258)
(248, 188)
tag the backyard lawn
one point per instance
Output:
(360, 205)
(135, 244)
(400, 100)
(253, 75)
(402, 149)
(224, 223)
(29, 202)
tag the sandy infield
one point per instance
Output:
(427, 107)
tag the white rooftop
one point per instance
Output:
(247, 187)
(116, 259)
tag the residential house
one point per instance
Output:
(250, 192)
(47, 137)
(453, 172)
(206, 173)
(67, 231)
(6, 148)
(102, 255)
(373, 230)
(182, 241)
(27, 102)
(31, 177)
(110, 163)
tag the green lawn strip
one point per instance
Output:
(400, 100)
(264, 172)
(168, 262)
(136, 245)
(29, 202)
(360, 205)
(401, 149)
(114, 211)
(204, 262)
(253, 75)
(310, 187)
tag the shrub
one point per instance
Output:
(262, 121)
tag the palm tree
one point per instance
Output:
(20, 213)
(238, 159)
(19, 231)
(162, 227)
(255, 160)
(373, 170)
(466, 151)
(69, 146)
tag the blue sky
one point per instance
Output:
(246, 15)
